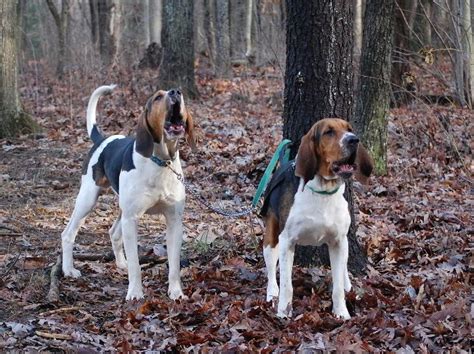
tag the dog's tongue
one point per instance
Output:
(176, 128)
(346, 168)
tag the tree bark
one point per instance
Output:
(61, 21)
(370, 118)
(404, 18)
(13, 120)
(107, 45)
(249, 47)
(177, 69)
(155, 21)
(319, 84)
(223, 68)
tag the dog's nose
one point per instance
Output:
(352, 140)
(174, 93)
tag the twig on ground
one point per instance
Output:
(12, 234)
(53, 294)
(53, 335)
(62, 309)
(5, 273)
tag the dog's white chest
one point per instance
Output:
(315, 219)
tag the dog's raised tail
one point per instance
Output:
(92, 130)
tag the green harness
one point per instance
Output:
(282, 155)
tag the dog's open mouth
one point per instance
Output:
(344, 168)
(174, 130)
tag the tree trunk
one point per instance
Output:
(319, 84)
(177, 69)
(461, 65)
(155, 21)
(209, 28)
(94, 22)
(237, 30)
(12, 118)
(424, 14)
(107, 44)
(404, 18)
(470, 46)
(370, 118)
(357, 39)
(61, 21)
(223, 68)
(249, 47)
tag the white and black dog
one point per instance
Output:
(136, 169)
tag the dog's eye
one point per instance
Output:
(330, 132)
(158, 97)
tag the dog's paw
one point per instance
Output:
(72, 272)
(285, 312)
(134, 294)
(175, 294)
(342, 313)
(272, 293)
(121, 262)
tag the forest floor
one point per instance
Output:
(415, 224)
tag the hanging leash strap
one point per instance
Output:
(187, 186)
(281, 154)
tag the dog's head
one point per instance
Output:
(331, 150)
(164, 120)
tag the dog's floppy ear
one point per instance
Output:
(365, 164)
(144, 142)
(306, 160)
(190, 137)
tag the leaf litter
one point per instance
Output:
(415, 224)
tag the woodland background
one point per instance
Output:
(414, 219)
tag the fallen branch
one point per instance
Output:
(148, 257)
(53, 294)
(53, 335)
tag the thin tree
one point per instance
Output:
(223, 68)
(61, 18)
(13, 120)
(319, 84)
(102, 29)
(370, 118)
(177, 69)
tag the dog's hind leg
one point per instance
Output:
(115, 233)
(270, 254)
(85, 201)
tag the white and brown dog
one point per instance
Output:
(136, 169)
(304, 204)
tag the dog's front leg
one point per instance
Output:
(338, 254)
(129, 231)
(174, 240)
(287, 253)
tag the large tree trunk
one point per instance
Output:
(319, 84)
(223, 68)
(370, 118)
(177, 69)
(12, 119)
